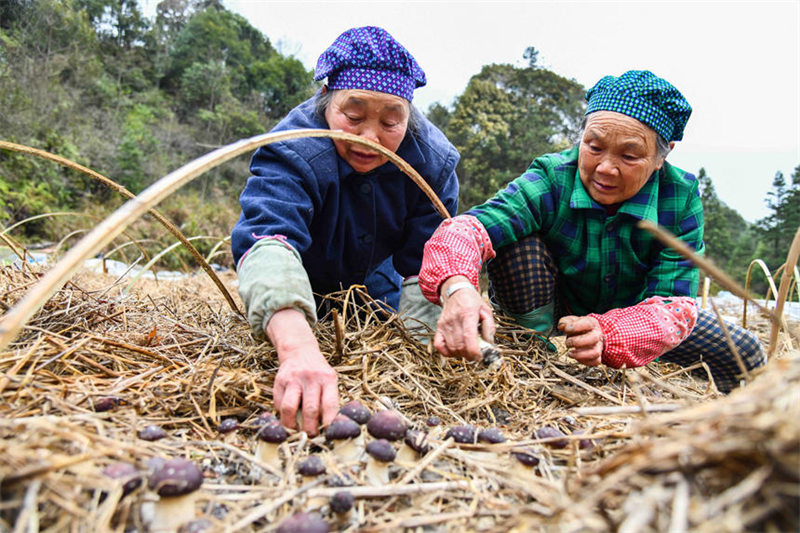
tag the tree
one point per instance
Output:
(506, 117)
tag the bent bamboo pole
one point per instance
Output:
(13, 321)
(128, 194)
(783, 289)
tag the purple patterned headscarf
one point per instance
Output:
(369, 58)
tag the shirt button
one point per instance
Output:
(608, 278)
(366, 238)
(365, 188)
(610, 228)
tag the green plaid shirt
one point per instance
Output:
(604, 261)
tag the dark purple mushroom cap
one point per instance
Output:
(415, 439)
(340, 480)
(125, 472)
(175, 477)
(228, 425)
(433, 421)
(196, 526)
(550, 432)
(265, 418)
(584, 444)
(387, 425)
(462, 434)
(355, 410)
(152, 432)
(305, 523)
(525, 456)
(273, 432)
(311, 466)
(491, 435)
(104, 404)
(342, 428)
(381, 450)
(342, 501)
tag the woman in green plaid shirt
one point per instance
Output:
(563, 249)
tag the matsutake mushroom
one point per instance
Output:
(270, 437)
(341, 504)
(125, 474)
(345, 436)
(387, 425)
(380, 453)
(152, 432)
(356, 411)
(462, 434)
(175, 481)
(414, 445)
(310, 469)
(554, 437)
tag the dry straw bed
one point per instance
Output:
(659, 448)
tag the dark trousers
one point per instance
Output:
(523, 278)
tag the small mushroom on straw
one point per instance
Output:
(435, 423)
(550, 432)
(265, 418)
(524, 467)
(152, 432)
(491, 436)
(310, 468)
(356, 411)
(305, 522)
(176, 482)
(341, 505)
(345, 435)
(124, 473)
(270, 437)
(380, 453)
(106, 403)
(228, 425)
(462, 434)
(584, 444)
(414, 445)
(387, 425)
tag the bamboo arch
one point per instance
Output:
(14, 320)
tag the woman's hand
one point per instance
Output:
(457, 328)
(584, 339)
(304, 378)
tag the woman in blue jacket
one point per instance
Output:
(320, 215)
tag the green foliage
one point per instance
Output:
(506, 117)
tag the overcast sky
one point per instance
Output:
(738, 63)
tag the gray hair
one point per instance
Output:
(662, 146)
(323, 100)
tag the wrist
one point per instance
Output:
(290, 333)
(453, 285)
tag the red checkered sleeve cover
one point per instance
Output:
(459, 246)
(634, 336)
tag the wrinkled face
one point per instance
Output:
(379, 117)
(617, 156)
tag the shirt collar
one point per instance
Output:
(642, 205)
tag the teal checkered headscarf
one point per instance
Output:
(644, 96)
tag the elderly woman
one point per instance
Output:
(320, 215)
(564, 250)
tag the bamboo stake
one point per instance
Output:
(13, 321)
(783, 289)
(705, 265)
